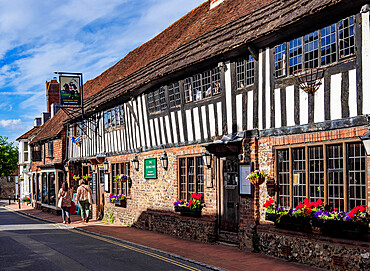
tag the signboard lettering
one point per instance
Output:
(150, 168)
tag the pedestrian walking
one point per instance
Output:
(65, 199)
(84, 200)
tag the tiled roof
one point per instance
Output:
(205, 34)
(29, 133)
(51, 128)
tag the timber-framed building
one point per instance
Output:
(222, 79)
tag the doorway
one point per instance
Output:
(229, 196)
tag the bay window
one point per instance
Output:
(334, 173)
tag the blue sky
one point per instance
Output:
(38, 37)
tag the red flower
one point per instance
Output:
(305, 201)
(309, 211)
(335, 209)
(319, 202)
(309, 204)
(362, 208)
(350, 215)
(111, 194)
(299, 206)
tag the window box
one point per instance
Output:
(272, 217)
(294, 223)
(187, 211)
(345, 229)
(119, 203)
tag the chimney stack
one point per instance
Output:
(52, 93)
(37, 122)
(44, 117)
(54, 109)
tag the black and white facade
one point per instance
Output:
(248, 85)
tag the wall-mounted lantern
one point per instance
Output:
(366, 141)
(66, 167)
(106, 165)
(164, 160)
(207, 158)
(135, 163)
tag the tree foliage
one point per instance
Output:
(8, 157)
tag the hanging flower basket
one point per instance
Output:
(257, 181)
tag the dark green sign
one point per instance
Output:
(93, 187)
(150, 168)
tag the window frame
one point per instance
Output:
(196, 166)
(113, 119)
(245, 71)
(345, 158)
(289, 70)
(119, 188)
(51, 150)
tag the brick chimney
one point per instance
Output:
(214, 3)
(52, 93)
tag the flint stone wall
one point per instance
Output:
(319, 251)
(202, 229)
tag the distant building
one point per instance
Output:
(8, 185)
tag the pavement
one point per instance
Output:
(215, 255)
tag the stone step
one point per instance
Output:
(226, 244)
(228, 237)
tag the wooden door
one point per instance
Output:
(229, 183)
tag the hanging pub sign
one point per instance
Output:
(150, 168)
(70, 90)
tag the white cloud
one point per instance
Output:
(11, 124)
(6, 107)
(39, 37)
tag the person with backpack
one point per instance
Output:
(84, 199)
(65, 199)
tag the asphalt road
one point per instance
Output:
(30, 244)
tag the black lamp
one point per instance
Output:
(106, 165)
(207, 159)
(66, 166)
(164, 160)
(135, 162)
(366, 141)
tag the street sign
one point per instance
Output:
(150, 168)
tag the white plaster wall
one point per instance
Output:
(319, 111)
(365, 62)
(250, 110)
(352, 95)
(336, 96)
(239, 112)
(303, 107)
(290, 105)
(229, 109)
(277, 108)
